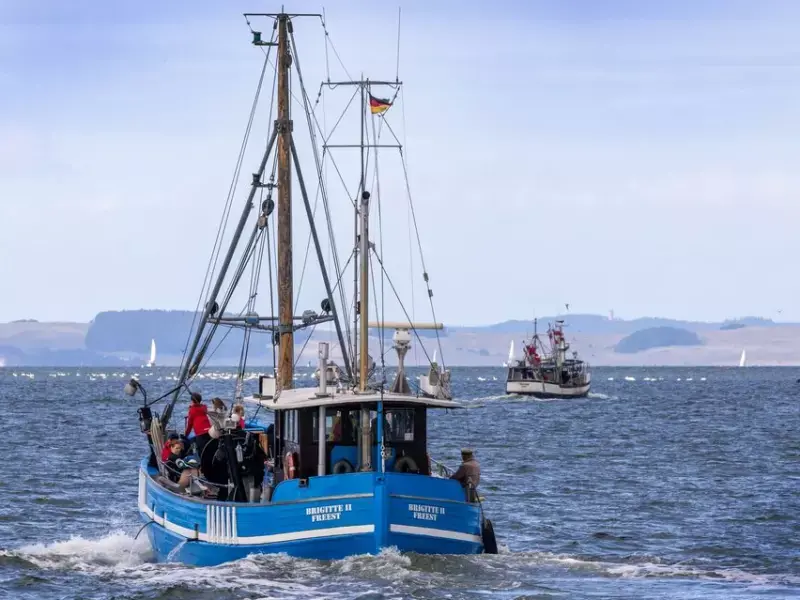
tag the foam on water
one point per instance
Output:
(599, 396)
(118, 548)
(119, 556)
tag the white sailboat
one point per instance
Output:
(510, 360)
(743, 358)
(152, 362)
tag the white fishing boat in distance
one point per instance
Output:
(549, 374)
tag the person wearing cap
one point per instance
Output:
(469, 473)
(198, 420)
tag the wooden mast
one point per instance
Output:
(285, 282)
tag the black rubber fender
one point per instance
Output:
(406, 465)
(342, 466)
(489, 540)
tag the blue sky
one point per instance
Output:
(633, 156)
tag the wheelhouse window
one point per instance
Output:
(290, 426)
(334, 422)
(399, 425)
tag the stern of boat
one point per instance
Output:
(327, 517)
(430, 515)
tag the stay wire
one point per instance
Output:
(422, 259)
(402, 306)
(212, 262)
(311, 120)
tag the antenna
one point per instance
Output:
(397, 76)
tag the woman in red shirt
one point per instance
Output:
(198, 420)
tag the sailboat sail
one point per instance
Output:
(743, 358)
(152, 352)
(511, 352)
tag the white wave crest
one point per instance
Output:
(115, 549)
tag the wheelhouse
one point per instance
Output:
(341, 439)
(325, 431)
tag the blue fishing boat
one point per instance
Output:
(329, 471)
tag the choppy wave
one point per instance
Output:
(125, 559)
(664, 476)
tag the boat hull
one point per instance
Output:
(542, 389)
(414, 513)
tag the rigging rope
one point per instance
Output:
(325, 37)
(330, 41)
(425, 277)
(402, 306)
(217, 248)
(408, 215)
(381, 337)
(311, 120)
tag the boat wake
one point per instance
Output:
(479, 401)
(599, 396)
(117, 549)
(640, 567)
(124, 559)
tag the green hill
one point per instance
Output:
(656, 337)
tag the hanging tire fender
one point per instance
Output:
(342, 466)
(406, 465)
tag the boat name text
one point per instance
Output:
(425, 512)
(331, 512)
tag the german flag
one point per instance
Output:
(378, 106)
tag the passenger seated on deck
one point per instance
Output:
(177, 471)
(469, 473)
(166, 450)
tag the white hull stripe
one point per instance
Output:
(438, 533)
(235, 540)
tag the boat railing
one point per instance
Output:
(440, 470)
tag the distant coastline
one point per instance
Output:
(122, 338)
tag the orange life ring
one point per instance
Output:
(288, 466)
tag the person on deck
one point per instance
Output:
(182, 475)
(198, 420)
(270, 435)
(165, 451)
(469, 473)
(238, 409)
